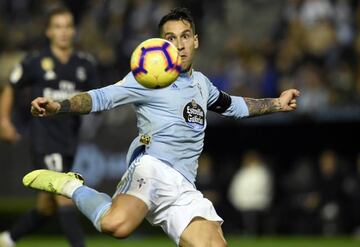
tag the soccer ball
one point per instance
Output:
(155, 63)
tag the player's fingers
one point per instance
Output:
(37, 111)
(33, 111)
(36, 104)
(295, 92)
(293, 106)
(41, 102)
(293, 101)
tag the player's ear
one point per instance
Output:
(196, 41)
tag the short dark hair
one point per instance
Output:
(178, 14)
(56, 11)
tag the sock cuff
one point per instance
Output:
(92, 204)
(100, 214)
(70, 187)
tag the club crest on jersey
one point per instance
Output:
(47, 64)
(194, 115)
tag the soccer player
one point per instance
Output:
(159, 182)
(56, 72)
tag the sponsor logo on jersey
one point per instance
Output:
(66, 90)
(194, 115)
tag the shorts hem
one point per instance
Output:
(139, 196)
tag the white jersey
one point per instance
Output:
(171, 120)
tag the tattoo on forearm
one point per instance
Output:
(79, 104)
(262, 106)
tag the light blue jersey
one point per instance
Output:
(171, 120)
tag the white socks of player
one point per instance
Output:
(70, 186)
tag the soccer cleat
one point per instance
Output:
(5, 240)
(51, 181)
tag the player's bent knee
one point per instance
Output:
(125, 214)
(119, 231)
(118, 228)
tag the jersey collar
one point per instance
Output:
(187, 75)
(185, 79)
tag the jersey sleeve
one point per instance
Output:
(237, 109)
(225, 104)
(126, 91)
(22, 73)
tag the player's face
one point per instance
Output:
(182, 36)
(61, 30)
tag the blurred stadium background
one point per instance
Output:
(276, 177)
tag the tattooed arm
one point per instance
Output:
(78, 104)
(286, 102)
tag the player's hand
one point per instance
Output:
(8, 132)
(43, 107)
(287, 99)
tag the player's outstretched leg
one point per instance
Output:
(54, 182)
(90, 202)
(118, 217)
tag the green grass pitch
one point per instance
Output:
(163, 241)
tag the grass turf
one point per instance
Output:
(162, 242)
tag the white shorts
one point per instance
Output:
(171, 199)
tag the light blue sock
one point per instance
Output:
(92, 204)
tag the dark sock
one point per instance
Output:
(68, 218)
(27, 224)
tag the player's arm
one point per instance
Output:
(286, 102)
(20, 77)
(78, 104)
(240, 107)
(8, 131)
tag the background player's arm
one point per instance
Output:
(286, 102)
(78, 104)
(7, 129)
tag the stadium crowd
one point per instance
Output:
(251, 48)
(255, 48)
